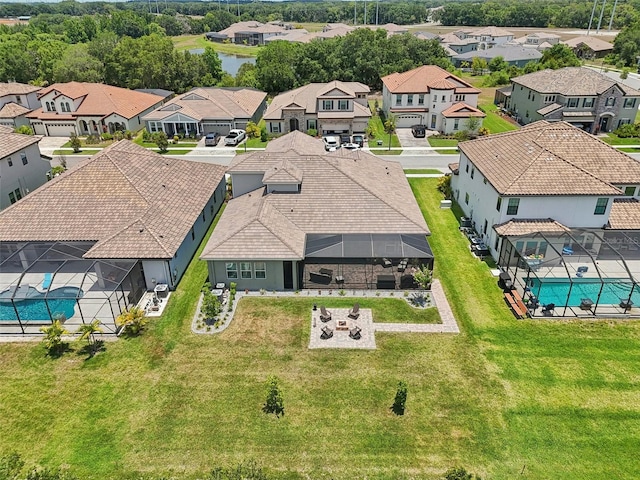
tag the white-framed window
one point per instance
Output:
(460, 98)
(610, 102)
(573, 102)
(343, 104)
(409, 99)
(245, 270)
(601, 206)
(48, 106)
(421, 99)
(456, 124)
(398, 99)
(588, 102)
(327, 105)
(444, 98)
(232, 269)
(15, 195)
(629, 103)
(275, 127)
(260, 269)
(549, 98)
(311, 124)
(512, 207)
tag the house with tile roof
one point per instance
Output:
(431, 96)
(22, 168)
(589, 47)
(90, 108)
(486, 37)
(329, 108)
(538, 40)
(545, 177)
(516, 55)
(250, 32)
(577, 95)
(16, 100)
(207, 110)
(301, 217)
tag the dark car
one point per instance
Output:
(211, 140)
(344, 138)
(419, 131)
(359, 140)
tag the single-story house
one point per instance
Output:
(301, 217)
(207, 110)
(512, 54)
(589, 47)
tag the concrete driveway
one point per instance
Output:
(49, 144)
(408, 140)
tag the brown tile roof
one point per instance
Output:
(12, 110)
(422, 79)
(102, 100)
(625, 214)
(340, 193)
(517, 227)
(551, 159)
(462, 110)
(595, 44)
(5, 129)
(301, 144)
(549, 109)
(306, 97)
(283, 172)
(212, 104)
(492, 31)
(133, 202)
(570, 81)
(14, 88)
(11, 143)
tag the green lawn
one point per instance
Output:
(444, 142)
(84, 151)
(385, 310)
(550, 398)
(379, 134)
(432, 171)
(189, 42)
(613, 139)
(494, 122)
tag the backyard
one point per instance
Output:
(504, 398)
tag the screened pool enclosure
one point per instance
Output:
(43, 281)
(578, 272)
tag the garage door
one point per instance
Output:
(61, 129)
(404, 121)
(218, 127)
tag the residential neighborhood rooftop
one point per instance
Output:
(15, 88)
(14, 142)
(12, 110)
(595, 44)
(509, 53)
(571, 81)
(525, 226)
(625, 214)
(424, 78)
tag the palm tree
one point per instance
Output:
(87, 331)
(53, 337)
(132, 320)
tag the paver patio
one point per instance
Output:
(341, 338)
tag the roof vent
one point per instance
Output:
(141, 230)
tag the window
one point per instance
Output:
(232, 270)
(48, 106)
(409, 99)
(261, 269)
(193, 234)
(466, 198)
(460, 98)
(623, 121)
(211, 208)
(68, 107)
(549, 98)
(587, 102)
(62, 107)
(601, 206)
(245, 270)
(529, 95)
(533, 98)
(275, 127)
(573, 102)
(327, 105)
(398, 99)
(473, 170)
(343, 104)
(629, 103)
(23, 156)
(610, 102)
(12, 198)
(456, 123)
(512, 208)
(53, 107)
(421, 99)
(444, 98)
(18, 99)
(499, 204)
(467, 168)
(484, 229)
(630, 191)
(10, 162)
(204, 219)
(311, 124)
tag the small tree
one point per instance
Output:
(473, 124)
(87, 332)
(263, 135)
(24, 130)
(132, 321)
(160, 139)
(390, 127)
(423, 277)
(400, 401)
(253, 130)
(274, 403)
(459, 473)
(478, 66)
(211, 307)
(75, 143)
(444, 186)
(53, 338)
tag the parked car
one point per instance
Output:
(419, 131)
(235, 136)
(330, 144)
(351, 146)
(345, 139)
(211, 139)
(358, 139)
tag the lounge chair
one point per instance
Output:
(355, 311)
(325, 315)
(46, 283)
(581, 271)
(355, 333)
(326, 333)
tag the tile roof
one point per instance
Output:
(491, 31)
(12, 110)
(283, 172)
(11, 143)
(518, 227)
(552, 107)
(422, 79)
(341, 192)
(133, 202)
(510, 53)
(14, 88)
(212, 104)
(595, 44)
(100, 99)
(462, 110)
(551, 159)
(625, 214)
(307, 97)
(570, 81)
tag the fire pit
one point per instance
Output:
(342, 324)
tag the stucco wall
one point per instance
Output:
(26, 178)
(274, 279)
(245, 182)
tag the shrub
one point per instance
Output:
(423, 277)
(400, 401)
(274, 403)
(146, 136)
(176, 139)
(462, 135)
(57, 170)
(132, 321)
(459, 473)
(24, 130)
(313, 132)
(444, 186)
(92, 139)
(106, 137)
(263, 135)
(210, 305)
(628, 130)
(53, 338)
(483, 131)
(253, 130)
(232, 288)
(118, 135)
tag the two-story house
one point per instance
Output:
(22, 168)
(16, 100)
(580, 96)
(547, 176)
(328, 108)
(90, 108)
(431, 96)
(487, 37)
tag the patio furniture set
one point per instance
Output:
(340, 324)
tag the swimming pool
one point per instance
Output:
(34, 306)
(556, 291)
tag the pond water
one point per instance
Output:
(230, 63)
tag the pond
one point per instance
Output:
(230, 63)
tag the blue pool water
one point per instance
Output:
(556, 291)
(34, 308)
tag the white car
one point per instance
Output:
(331, 143)
(235, 136)
(351, 146)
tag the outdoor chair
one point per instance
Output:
(326, 333)
(355, 311)
(355, 333)
(325, 315)
(581, 271)
(548, 308)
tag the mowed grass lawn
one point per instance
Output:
(555, 399)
